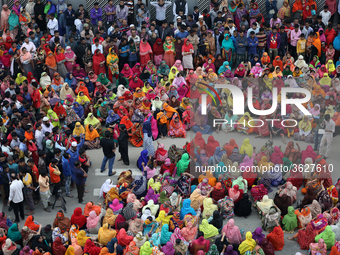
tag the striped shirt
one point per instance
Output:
(262, 40)
(129, 4)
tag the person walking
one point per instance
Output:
(16, 197)
(329, 126)
(109, 149)
(80, 176)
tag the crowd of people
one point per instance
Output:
(77, 80)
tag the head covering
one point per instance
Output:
(248, 244)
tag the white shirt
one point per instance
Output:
(52, 25)
(46, 129)
(94, 48)
(174, 10)
(78, 24)
(325, 17)
(160, 11)
(15, 191)
(6, 149)
(136, 39)
(29, 46)
(39, 137)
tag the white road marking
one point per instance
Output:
(96, 192)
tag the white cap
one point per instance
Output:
(46, 119)
(201, 17)
(132, 25)
(74, 144)
(178, 17)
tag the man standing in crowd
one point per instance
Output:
(327, 138)
(16, 197)
(109, 149)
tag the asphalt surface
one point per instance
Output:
(96, 179)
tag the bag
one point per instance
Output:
(258, 191)
(270, 219)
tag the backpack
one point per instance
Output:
(270, 219)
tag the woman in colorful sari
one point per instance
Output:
(104, 80)
(65, 91)
(53, 118)
(4, 17)
(91, 119)
(26, 60)
(305, 127)
(163, 70)
(187, 52)
(262, 128)
(245, 124)
(91, 137)
(176, 128)
(13, 21)
(59, 110)
(201, 122)
(284, 11)
(57, 82)
(147, 141)
(112, 61)
(79, 72)
(70, 57)
(51, 64)
(145, 52)
(227, 49)
(151, 68)
(79, 110)
(169, 51)
(99, 62)
(158, 51)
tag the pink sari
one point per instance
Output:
(70, 59)
(4, 18)
(154, 127)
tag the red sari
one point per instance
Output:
(145, 53)
(97, 58)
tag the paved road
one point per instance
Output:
(96, 179)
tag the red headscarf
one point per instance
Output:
(198, 141)
(77, 216)
(125, 112)
(59, 110)
(59, 57)
(211, 146)
(123, 238)
(97, 58)
(187, 48)
(230, 146)
(6, 59)
(58, 248)
(30, 223)
(158, 47)
(91, 248)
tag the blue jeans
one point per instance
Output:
(250, 56)
(68, 184)
(260, 52)
(68, 31)
(317, 140)
(62, 23)
(240, 58)
(111, 162)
